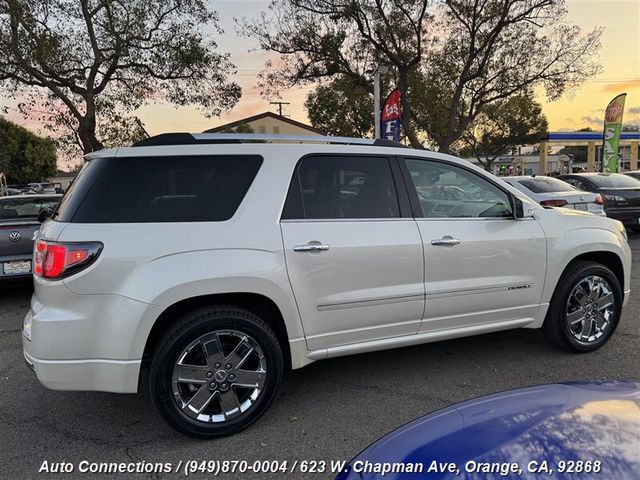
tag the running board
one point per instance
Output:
(417, 339)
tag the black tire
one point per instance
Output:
(183, 335)
(556, 325)
(635, 228)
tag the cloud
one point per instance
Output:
(634, 110)
(622, 86)
(592, 120)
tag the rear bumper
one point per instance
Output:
(120, 376)
(85, 342)
(625, 215)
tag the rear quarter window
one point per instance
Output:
(163, 189)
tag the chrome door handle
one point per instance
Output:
(311, 247)
(446, 241)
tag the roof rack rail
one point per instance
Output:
(183, 138)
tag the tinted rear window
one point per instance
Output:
(615, 181)
(21, 208)
(546, 185)
(162, 189)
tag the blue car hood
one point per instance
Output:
(552, 423)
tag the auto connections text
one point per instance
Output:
(379, 469)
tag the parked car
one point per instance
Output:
(634, 174)
(621, 194)
(40, 187)
(570, 430)
(220, 264)
(18, 222)
(552, 192)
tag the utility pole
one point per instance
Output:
(381, 70)
(280, 104)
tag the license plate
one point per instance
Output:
(17, 267)
(580, 206)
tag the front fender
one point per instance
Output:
(563, 249)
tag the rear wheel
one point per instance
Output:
(585, 308)
(216, 371)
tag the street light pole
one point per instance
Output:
(381, 70)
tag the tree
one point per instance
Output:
(502, 126)
(83, 66)
(24, 156)
(341, 107)
(450, 65)
(630, 127)
(579, 153)
(240, 128)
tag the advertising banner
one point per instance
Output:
(612, 127)
(390, 117)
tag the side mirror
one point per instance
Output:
(520, 209)
(44, 214)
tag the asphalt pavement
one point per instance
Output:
(327, 411)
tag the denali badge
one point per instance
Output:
(518, 287)
(15, 236)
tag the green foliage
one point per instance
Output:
(24, 156)
(578, 153)
(341, 107)
(83, 67)
(452, 59)
(240, 128)
(504, 125)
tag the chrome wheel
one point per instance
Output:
(219, 376)
(590, 309)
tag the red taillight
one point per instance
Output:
(599, 200)
(55, 260)
(553, 203)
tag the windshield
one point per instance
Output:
(20, 208)
(546, 185)
(615, 180)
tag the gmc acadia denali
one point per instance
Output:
(222, 260)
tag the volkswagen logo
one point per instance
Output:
(15, 236)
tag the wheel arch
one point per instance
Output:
(609, 259)
(259, 304)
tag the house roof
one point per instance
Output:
(62, 173)
(265, 115)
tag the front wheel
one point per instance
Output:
(216, 371)
(585, 308)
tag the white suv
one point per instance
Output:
(220, 264)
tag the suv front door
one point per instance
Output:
(482, 265)
(353, 258)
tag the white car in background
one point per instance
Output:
(553, 192)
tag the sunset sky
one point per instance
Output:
(620, 58)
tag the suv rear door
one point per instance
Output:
(353, 251)
(482, 265)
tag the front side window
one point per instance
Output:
(333, 187)
(447, 191)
